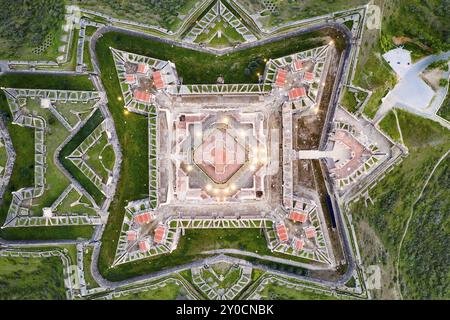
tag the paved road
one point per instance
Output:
(411, 93)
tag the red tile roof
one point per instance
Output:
(297, 216)
(143, 96)
(309, 76)
(297, 93)
(158, 81)
(143, 218)
(142, 68)
(130, 78)
(160, 232)
(310, 232)
(281, 77)
(282, 232)
(298, 244)
(131, 235)
(298, 65)
(144, 245)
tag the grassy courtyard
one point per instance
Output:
(221, 35)
(23, 171)
(100, 157)
(389, 126)
(55, 180)
(170, 291)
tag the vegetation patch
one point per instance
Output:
(160, 13)
(30, 30)
(389, 126)
(279, 291)
(393, 197)
(31, 278)
(424, 21)
(90, 125)
(23, 171)
(169, 291)
(444, 110)
(87, 259)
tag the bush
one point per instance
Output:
(29, 22)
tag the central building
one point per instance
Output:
(219, 154)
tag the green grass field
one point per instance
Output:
(95, 157)
(423, 259)
(374, 74)
(3, 158)
(228, 36)
(444, 110)
(230, 278)
(38, 81)
(31, 278)
(55, 181)
(90, 282)
(389, 126)
(170, 291)
(274, 291)
(349, 101)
